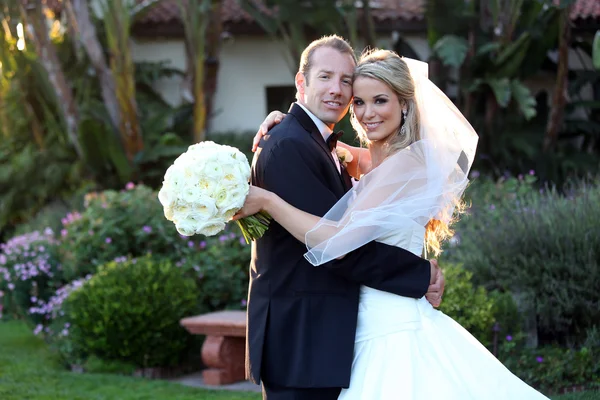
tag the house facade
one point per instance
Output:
(255, 74)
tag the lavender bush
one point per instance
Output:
(541, 245)
(30, 273)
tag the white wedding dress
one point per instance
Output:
(407, 350)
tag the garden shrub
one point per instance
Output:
(115, 224)
(468, 305)
(130, 311)
(551, 368)
(542, 246)
(220, 268)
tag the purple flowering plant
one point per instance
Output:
(30, 273)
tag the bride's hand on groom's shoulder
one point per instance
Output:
(436, 284)
(272, 119)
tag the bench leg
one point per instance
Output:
(224, 357)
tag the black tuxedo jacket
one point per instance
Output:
(301, 318)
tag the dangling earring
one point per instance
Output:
(403, 127)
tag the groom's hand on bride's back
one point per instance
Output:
(272, 119)
(436, 285)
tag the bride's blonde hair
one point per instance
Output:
(388, 67)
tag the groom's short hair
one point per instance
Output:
(333, 41)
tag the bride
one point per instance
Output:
(409, 183)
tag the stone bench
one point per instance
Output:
(224, 349)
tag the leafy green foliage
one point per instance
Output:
(467, 304)
(541, 245)
(452, 50)
(551, 368)
(221, 271)
(119, 224)
(130, 312)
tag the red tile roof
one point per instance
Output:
(383, 10)
(167, 11)
(583, 9)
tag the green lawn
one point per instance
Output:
(28, 371)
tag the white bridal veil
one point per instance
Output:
(421, 182)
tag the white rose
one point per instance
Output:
(231, 197)
(211, 227)
(207, 185)
(236, 196)
(213, 169)
(166, 196)
(190, 193)
(227, 213)
(203, 146)
(181, 208)
(185, 228)
(169, 214)
(204, 206)
(232, 175)
(175, 178)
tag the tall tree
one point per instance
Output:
(33, 13)
(117, 75)
(559, 98)
(202, 26)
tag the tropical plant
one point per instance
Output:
(297, 23)
(37, 160)
(34, 14)
(117, 80)
(202, 26)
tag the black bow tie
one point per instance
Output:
(333, 138)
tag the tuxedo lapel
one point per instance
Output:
(308, 124)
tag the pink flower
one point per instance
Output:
(108, 240)
(130, 186)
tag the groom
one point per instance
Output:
(302, 319)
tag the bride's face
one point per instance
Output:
(377, 108)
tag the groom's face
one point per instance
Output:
(326, 90)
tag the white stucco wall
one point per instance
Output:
(172, 51)
(247, 66)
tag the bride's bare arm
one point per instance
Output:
(293, 220)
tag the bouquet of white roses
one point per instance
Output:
(205, 187)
